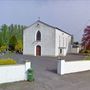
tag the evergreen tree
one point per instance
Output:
(4, 35)
(10, 35)
(12, 43)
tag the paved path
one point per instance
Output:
(77, 81)
(46, 77)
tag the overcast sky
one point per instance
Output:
(71, 16)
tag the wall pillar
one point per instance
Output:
(60, 67)
(27, 66)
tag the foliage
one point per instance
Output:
(12, 43)
(86, 38)
(85, 52)
(19, 47)
(7, 61)
(7, 32)
(0, 39)
(3, 48)
(87, 58)
(4, 34)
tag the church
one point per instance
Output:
(42, 39)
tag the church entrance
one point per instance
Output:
(38, 50)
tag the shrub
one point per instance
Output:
(84, 51)
(3, 48)
(19, 47)
(7, 61)
(87, 58)
(12, 43)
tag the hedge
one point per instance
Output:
(7, 61)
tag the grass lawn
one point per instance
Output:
(87, 58)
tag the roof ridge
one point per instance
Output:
(53, 27)
(45, 23)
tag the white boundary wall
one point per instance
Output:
(12, 73)
(75, 50)
(72, 66)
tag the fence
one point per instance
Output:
(12, 73)
(65, 67)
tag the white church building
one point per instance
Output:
(41, 39)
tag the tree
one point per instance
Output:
(86, 38)
(19, 47)
(4, 34)
(12, 43)
(10, 34)
(1, 39)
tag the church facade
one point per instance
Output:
(41, 39)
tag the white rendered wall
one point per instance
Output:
(62, 40)
(75, 50)
(13, 73)
(72, 66)
(47, 42)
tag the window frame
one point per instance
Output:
(38, 36)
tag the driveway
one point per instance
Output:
(46, 77)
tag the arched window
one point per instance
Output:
(38, 36)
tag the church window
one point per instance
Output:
(38, 36)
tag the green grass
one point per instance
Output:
(87, 58)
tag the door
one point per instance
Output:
(38, 50)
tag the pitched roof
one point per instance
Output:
(53, 27)
(50, 26)
(45, 24)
